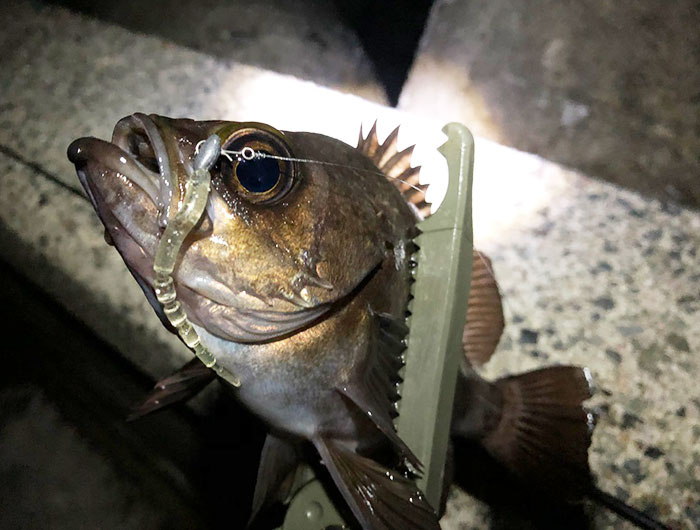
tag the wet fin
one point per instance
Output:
(485, 320)
(396, 165)
(180, 386)
(380, 499)
(277, 461)
(374, 390)
(544, 432)
(369, 144)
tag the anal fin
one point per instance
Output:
(184, 384)
(379, 498)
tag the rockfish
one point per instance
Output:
(296, 280)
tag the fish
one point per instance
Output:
(296, 279)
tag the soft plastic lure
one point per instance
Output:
(187, 216)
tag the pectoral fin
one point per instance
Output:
(380, 499)
(374, 390)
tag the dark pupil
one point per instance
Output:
(258, 175)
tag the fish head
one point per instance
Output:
(285, 235)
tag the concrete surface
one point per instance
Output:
(592, 274)
(308, 40)
(597, 276)
(608, 87)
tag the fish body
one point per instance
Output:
(296, 279)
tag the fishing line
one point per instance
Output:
(248, 154)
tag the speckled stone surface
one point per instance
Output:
(592, 274)
(608, 87)
(600, 277)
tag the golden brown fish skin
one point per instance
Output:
(269, 251)
(292, 383)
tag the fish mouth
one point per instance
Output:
(139, 137)
(134, 182)
(137, 152)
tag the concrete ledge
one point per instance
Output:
(609, 88)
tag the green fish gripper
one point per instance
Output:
(434, 340)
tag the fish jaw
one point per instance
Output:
(125, 208)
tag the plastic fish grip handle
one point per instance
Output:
(438, 313)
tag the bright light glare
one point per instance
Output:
(509, 188)
(506, 184)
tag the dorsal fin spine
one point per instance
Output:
(396, 165)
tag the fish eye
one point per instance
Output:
(258, 175)
(261, 172)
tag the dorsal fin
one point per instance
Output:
(485, 321)
(396, 165)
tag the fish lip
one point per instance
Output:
(89, 155)
(164, 180)
(87, 150)
(118, 157)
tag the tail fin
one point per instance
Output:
(544, 432)
(534, 424)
